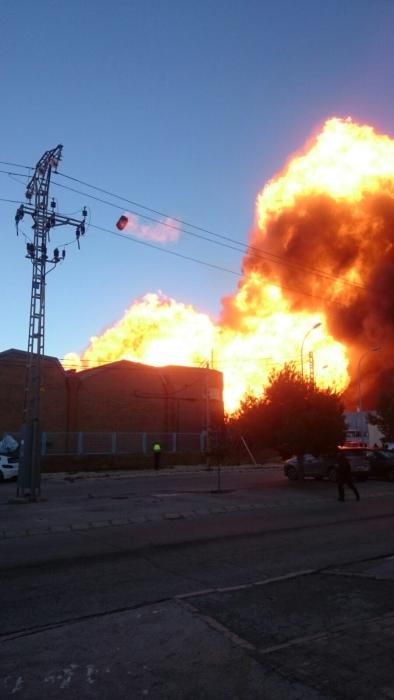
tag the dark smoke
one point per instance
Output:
(320, 240)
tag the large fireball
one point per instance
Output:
(321, 252)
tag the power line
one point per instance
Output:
(270, 257)
(245, 248)
(192, 259)
(266, 360)
(163, 223)
(207, 264)
(253, 249)
(86, 364)
(11, 172)
(165, 250)
(16, 165)
(156, 221)
(217, 267)
(10, 201)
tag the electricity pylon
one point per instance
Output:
(44, 219)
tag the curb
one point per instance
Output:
(168, 471)
(160, 517)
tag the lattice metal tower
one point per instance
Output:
(44, 219)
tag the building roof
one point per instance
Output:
(22, 355)
(129, 364)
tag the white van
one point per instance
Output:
(9, 468)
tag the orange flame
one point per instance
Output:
(320, 236)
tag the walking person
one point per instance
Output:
(156, 455)
(344, 477)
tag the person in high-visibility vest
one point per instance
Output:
(156, 454)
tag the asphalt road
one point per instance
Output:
(145, 609)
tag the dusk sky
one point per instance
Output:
(184, 106)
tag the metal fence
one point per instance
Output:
(83, 443)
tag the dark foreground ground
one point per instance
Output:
(159, 587)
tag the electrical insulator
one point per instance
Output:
(52, 219)
(84, 212)
(63, 254)
(56, 255)
(53, 203)
(82, 228)
(56, 159)
(29, 195)
(78, 233)
(30, 249)
(122, 222)
(20, 212)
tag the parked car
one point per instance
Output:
(354, 438)
(359, 462)
(319, 467)
(388, 446)
(381, 463)
(324, 466)
(9, 468)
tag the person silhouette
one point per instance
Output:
(344, 477)
(156, 455)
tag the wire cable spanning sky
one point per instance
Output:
(243, 248)
(166, 222)
(192, 128)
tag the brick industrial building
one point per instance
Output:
(118, 397)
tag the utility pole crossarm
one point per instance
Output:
(61, 219)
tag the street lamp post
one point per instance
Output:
(302, 346)
(359, 404)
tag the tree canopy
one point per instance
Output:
(293, 416)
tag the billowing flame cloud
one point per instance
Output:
(321, 252)
(166, 231)
(330, 218)
(155, 330)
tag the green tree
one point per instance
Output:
(293, 416)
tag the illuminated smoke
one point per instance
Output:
(330, 218)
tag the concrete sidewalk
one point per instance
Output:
(96, 502)
(160, 652)
(306, 636)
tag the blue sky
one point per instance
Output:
(186, 106)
